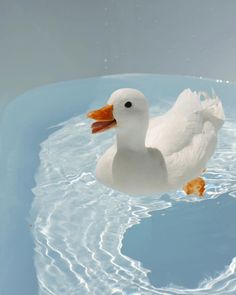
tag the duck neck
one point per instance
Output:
(127, 140)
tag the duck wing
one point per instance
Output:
(187, 134)
(189, 119)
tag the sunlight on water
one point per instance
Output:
(79, 224)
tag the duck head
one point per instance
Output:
(126, 109)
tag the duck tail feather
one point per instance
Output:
(212, 108)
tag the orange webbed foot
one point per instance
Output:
(195, 186)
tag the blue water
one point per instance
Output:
(89, 239)
(187, 243)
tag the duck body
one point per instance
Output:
(133, 172)
(161, 154)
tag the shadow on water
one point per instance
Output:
(186, 243)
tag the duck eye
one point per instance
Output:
(128, 104)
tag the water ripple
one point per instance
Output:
(79, 224)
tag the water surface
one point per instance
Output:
(81, 237)
(93, 240)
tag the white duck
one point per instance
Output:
(162, 154)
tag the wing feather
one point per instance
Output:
(175, 130)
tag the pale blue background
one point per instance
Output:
(47, 41)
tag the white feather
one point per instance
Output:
(165, 152)
(187, 134)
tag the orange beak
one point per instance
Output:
(104, 119)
